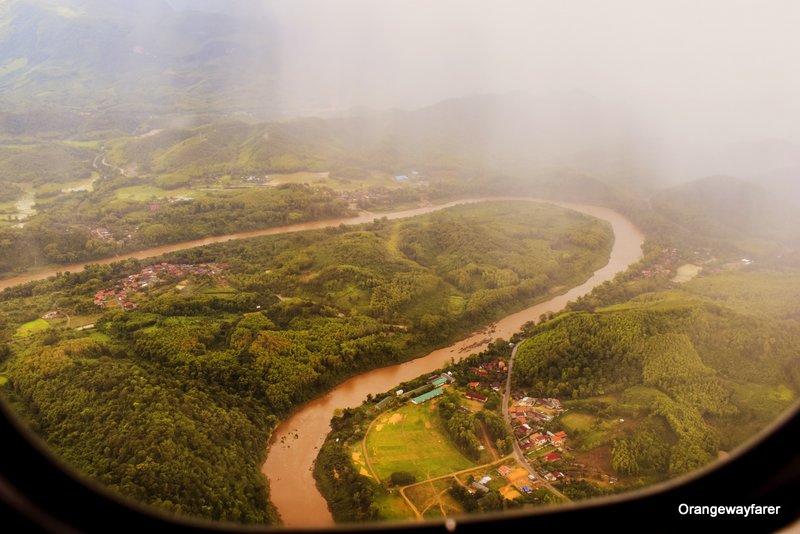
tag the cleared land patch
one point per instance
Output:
(412, 439)
(32, 327)
(577, 421)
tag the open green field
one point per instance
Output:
(99, 336)
(342, 184)
(590, 431)
(148, 192)
(392, 507)
(577, 421)
(411, 439)
(32, 327)
(86, 184)
(433, 500)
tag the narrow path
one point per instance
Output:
(367, 461)
(489, 444)
(417, 514)
(455, 473)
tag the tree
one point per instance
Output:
(402, 478)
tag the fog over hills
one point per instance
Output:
(723, 206)
(655, 95)
(215, 211)
(94, 56)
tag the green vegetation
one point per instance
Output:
(291, 316)
(351, 496)
(172, 402)
(412, 439)
(167, 440)
(402, 478)
(32, 327)
(415, 447)
(110, 219)
(39, 164)
(725, 208)
(577, 422)
(695, 369)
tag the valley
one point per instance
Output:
(197, 339)
(373, 265)
(296, 441)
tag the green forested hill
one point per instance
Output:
(45, 163)
(183, 391)
(708, 364)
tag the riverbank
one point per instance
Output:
(364, 217)
(295, 442)
(627, 247)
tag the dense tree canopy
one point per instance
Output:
(711, 373)
(184, 390)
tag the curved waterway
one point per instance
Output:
(157, 251)
(295, 443)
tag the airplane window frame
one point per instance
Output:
(41, 493)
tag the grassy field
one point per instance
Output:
(392, 507)
(591, 431)
(411, 439)
(577, 421)
(32, 327)
(75, 321)
(433, 500)
(86, 184)
(323, 179)
(358, 460)
(149, 192)
(100, 336)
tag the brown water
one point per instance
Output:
(295, 443)
(157, 251)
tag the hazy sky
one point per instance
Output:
(722, 67)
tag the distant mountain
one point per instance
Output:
(517, 142)
(98, 56)
(770, 162)
(728, 208)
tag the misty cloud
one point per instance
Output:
(698, 70)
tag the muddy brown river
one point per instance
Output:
(364, 217)
(294, 445)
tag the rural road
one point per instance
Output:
(517, 450)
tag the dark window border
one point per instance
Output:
(39, 493)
